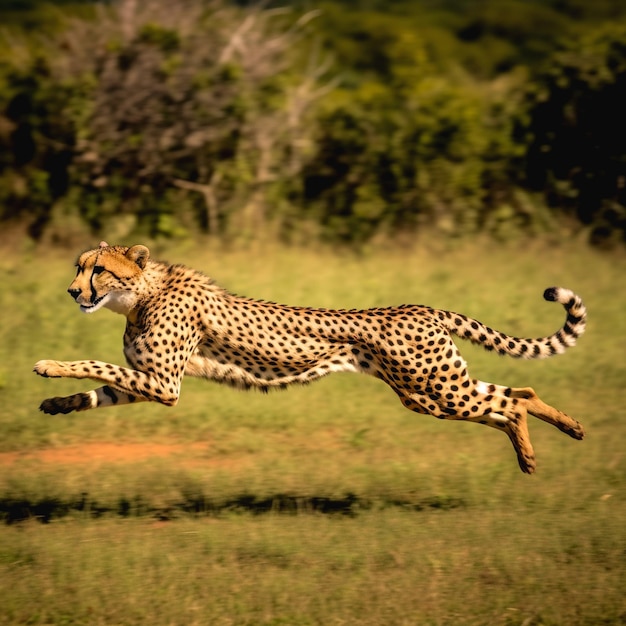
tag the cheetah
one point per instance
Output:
(179, 322)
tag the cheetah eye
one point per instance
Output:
(98, 269)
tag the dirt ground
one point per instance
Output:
(109, 453)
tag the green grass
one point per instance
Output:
(382, 568)
(435, 523)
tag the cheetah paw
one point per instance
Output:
(48, 369)
(527, 464)
(53, 406)
(67, 404)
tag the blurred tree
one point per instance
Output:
(152, 98)
(577, 151)
(419, 149)
(510, 33)
(218, 115)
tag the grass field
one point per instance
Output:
(326, 504)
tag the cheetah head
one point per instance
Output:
(109, 276)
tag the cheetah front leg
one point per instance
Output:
(122, 384)
(94, 399)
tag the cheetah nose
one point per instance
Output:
(74, 293)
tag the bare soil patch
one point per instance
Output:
(104, 452)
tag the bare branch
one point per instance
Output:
(208, 191)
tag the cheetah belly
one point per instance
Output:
(245, 369)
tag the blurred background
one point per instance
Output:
(340, 120)
(343, 154)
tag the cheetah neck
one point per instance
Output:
(122, 302)
(128, 302)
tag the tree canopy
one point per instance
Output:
(345, 119)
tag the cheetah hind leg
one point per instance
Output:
(512, 421)
(516, 428)
(535, 406)
(512, 418)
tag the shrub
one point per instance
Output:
(576, 148)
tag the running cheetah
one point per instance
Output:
(180, 322)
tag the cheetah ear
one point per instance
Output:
(103, 244)
(138, 254)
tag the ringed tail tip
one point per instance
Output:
(560, 295)
(551, 294)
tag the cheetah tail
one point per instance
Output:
(540, 348)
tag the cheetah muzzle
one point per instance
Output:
(179, 322)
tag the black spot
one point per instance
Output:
(110, 394)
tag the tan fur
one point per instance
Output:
(180, 323)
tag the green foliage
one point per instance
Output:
(116, 113)
(428, 152)
(578, 135)
(227, 118)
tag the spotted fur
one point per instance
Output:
(179, 322)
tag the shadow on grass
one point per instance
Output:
(46, 510)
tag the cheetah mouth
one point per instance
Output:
(95, 305)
